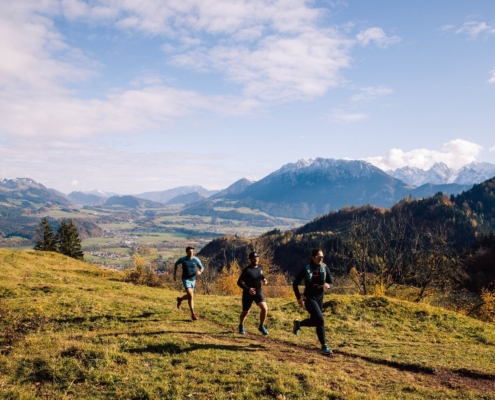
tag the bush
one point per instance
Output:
(141, 273)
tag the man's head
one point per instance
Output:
(190, 251)
(254, 258)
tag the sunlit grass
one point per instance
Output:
(83, 333)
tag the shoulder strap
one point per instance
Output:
(323, 272)
(309, 274)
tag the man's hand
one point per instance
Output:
(198, 272)
(265, 282)
(252, 291)
(301, 301)
(326, 285)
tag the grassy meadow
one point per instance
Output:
(69, 330)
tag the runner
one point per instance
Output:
(250, 281)
(191, 267)
(316, 276)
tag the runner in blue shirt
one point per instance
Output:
(191, 268)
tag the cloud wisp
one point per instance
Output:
(474, 28)
(455, 154)
(378, 36)
(371, 93)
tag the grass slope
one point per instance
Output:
(70, 330)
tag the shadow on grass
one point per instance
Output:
(418, 368)
(172, 348)
(93, 318)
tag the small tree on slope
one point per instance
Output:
(45, 237)
(69, 242)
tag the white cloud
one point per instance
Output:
(274, 50)
(474, 28)
(455, 154)
(345, 117)
(280, 67)
(74, 182)
(492, 149)
(492, 79)
(376, 35)
(371, 93)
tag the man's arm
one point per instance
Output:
(175, 267)
(263, 278)
(241, 283)
(201, 268)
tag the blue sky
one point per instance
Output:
(139, 95)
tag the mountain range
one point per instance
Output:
(302, 190)
(311, 187)
(440, 173)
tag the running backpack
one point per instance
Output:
(309, 273)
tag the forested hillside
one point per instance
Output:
(399, 243)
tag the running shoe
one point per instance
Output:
(179, 302)
(194, 317)
(263, 330)
(296, 327)
(242, 330)
(325, 350)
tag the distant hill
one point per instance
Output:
(188, 198)
(86, 199)
(28, 191)
(131, 202)
(165, 195)
(309, 188)
(101, 193)
(236, 188)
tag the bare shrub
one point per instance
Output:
(142, 272)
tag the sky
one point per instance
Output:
(132, 96)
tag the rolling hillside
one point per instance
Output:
(70, 330)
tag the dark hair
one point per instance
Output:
(314, 252)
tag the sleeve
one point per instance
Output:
(199, 264)
(241, 283)
(297, 281)
(328, 278)
(263, 277)
(178, 262)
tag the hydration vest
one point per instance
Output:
(309, 273)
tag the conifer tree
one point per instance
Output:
(45, 237)
(69, 242)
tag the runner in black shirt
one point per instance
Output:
(316, 276)
(250, 281)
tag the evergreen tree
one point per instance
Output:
(69, 242)
(45, 237)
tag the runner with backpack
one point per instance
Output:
(316, 277)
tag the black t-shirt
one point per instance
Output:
(251, 277)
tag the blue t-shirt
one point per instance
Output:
(189, 266)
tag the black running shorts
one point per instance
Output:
(247, 300)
